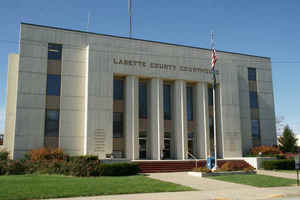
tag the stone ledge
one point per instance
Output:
(204, 174)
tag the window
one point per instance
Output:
(167, 102)
(253, 99)
(52, 123)
(190, 135)
(53, 85)
(255, 128)
(117, 124)
(210, 96)
(143, 100)
(189, 103)
(142, 134)
(54, 51)
(118, 89)
(251, 74)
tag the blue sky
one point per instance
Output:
(266, 28)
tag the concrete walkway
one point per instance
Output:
(278, 174)
(208, 190)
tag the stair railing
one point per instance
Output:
(194, 158)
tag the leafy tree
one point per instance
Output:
(288, 141)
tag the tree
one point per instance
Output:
(288, 141)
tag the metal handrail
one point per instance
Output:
(194, 158)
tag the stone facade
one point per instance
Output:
(88, 66)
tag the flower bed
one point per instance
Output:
(55, 161)
(225, 167)
(218, 173)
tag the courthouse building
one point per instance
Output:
(134, 99)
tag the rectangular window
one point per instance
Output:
(118, 89)
(54, 51)
(53, 85)
(255, 128)
(253, 99)
(189, 103)
(143, 100)
(117, 124)
(52, 123)
(251, 74)
(167, 102)
(190, 135)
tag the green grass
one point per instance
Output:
(256, 180)
(43, 186)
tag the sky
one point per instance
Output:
(266, 28)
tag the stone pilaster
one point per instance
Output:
(131, 118)
(156, 118)
(179, 119)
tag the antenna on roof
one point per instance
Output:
(130, 17)
(88, 24)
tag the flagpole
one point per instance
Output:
(130, 17)
(214, 105)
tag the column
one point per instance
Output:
(131, 118)
(179, 119)
(202, 120)
(156, 118)
(219, 125)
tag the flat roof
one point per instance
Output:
(115, 36)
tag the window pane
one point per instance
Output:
(54, 51)
(255, 128)
(118, 89)
(189, 103)
(143, 134)
(142, 100)
(167, 135)
(53, 85)
(117, 124)
(253, 99)
(167, 102)
(52, 123)
(252, 74)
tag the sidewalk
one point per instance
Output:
(209, 189)
(279, 174)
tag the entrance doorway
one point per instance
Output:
(143, 145)
(167, 144)
(190, 144)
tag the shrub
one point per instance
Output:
(278, 164)
(3, 167)
(15, 167)
(83, 167)
(83, 158)
(119, 169)
(4, 155)
(265, 150)
(202, 169)
(249, 169)
(46, 154)
(238, 165)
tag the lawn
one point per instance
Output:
(256, 180)
(44, 186)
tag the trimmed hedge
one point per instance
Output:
(119, 169)
(4, 155)
(278, 164)
(55, 161)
